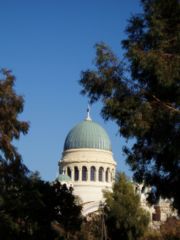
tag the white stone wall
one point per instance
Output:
(87, 188)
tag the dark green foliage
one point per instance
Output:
(29, 207)
(23, 205)
(125, 219)
(12, 170)
(11, 105)
(142, 95)
(68, 211)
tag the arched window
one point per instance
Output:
(93, 173)
(101, 170)
(76, 174)
(107, 175)
(84, 173)
(69, 172)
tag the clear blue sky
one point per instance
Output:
(47, 43)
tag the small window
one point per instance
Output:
(84, 173)
(76, 174)
(69, 172)
(101, 170)
(93, 173)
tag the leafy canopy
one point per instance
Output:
(11, 105)
(141, 93)
(29, 207)
(125, 219)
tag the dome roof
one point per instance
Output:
(87, 134)
(63, 178)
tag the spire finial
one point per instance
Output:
(88, 113)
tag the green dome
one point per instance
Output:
(87, 134)
(63, 178)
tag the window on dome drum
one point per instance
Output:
(107, 175)
(101, 171)
(93, 173)
(84, 173)
(76, 174)
(69, 172)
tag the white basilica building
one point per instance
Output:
(87, 163)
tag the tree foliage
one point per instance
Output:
(125, 219)
(11, 105)
(12, 170)
(141, 93)
(29, 207)
(91, 228)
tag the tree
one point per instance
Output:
(125, 219)
(67, 210)
(11, 105)
(12, 170)
(91, 228)
(29, 207)
(35, 209)
(141, 93)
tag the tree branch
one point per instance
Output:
(165, 104)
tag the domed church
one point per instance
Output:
(87, 163)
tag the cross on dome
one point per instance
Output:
(88, 118)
